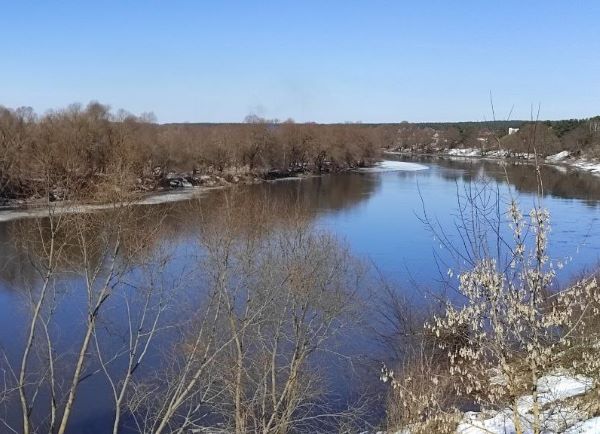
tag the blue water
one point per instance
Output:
(378, 215)
(387, 229)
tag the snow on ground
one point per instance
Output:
(561, 159)
(589, 426)
(558, 157)
(66, 208)
(394, 166)
(558, 412)
(466, 152)
(564, 157)
(557, 387)
(497, 153)
(188, 193)
(557, 415)
(184, 194)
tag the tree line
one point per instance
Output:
(578, 136)
(89, 148)
(90, 151)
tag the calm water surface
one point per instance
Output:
(376, 214)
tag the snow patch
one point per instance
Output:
(589, 426)
(557, 416)
(394, 166)
(558, 157)
(564, 157)
(556, 387)
(499, 153)
(466, 152)
(64, 208)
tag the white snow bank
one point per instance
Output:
(466, 152)
(186, 194)
(564, 157)
(65, 208)
(557, 416)
(498, 153)
(590, 426)
(557, 387)
(558, 157)
(394, 166)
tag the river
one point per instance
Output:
(378, 214)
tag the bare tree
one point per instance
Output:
(244, 360)
(100, 250)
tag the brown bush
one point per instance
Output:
(80, 148)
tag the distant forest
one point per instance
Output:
(90, 150)
(578, 136)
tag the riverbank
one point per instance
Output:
(177, 189)
(561, 159)
(182, 187)
(159, 188)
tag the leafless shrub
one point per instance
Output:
(98, 251)
(512, 326)
(244, 361)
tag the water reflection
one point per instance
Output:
(374, 212)
(157, 242)
(273, 204)
(558, 181)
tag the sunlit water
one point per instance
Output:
(377, 213)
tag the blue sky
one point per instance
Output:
(326, 61)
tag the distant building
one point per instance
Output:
(512, 131)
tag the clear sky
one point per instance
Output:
(325, 61)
